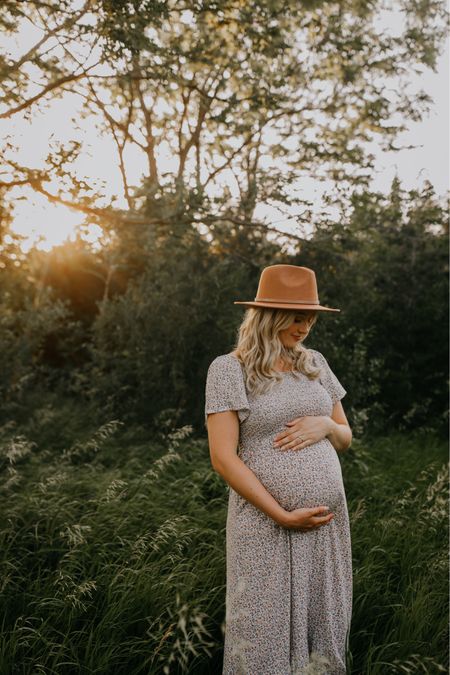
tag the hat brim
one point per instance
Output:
(273, 305)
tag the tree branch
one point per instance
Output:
(50, 87)
(210, 220)
(68, 23)
(150, 138)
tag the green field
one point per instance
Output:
(113, 549)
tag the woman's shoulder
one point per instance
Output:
(317, 356)
(226, 371)
(225, 361)
(318, 359)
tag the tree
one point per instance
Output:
(245, 99)
(386, 266)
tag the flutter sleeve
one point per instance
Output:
(328, 379)
(225, 388)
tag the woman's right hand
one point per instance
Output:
(306, 519)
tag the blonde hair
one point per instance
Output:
(259, 348)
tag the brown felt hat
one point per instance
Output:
(287, 287)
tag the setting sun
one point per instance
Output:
(47, 225)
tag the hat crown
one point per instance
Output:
(288, 283)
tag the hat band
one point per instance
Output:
(296, 302)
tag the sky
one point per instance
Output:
(35, 217)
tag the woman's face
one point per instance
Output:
(302, 322)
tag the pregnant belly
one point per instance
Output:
(299, 478)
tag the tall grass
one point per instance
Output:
(112, 549)
(397, 490)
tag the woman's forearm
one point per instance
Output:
(340, 435)
(242, 479)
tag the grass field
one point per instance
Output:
(113, 549)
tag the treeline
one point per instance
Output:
(225, 107)
(132, 326)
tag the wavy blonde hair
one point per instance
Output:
(259, 348)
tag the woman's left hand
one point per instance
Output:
(303, 431)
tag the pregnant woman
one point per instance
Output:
(275, 424)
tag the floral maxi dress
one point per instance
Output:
(288, 593)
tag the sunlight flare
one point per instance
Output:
(45, 226)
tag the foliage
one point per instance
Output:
(230, 104)
(385, 263)
(385, 267)
(29, 314)
(152, 344)
(117, 562)
(244, 100)
(134, 325)
(398, 488)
